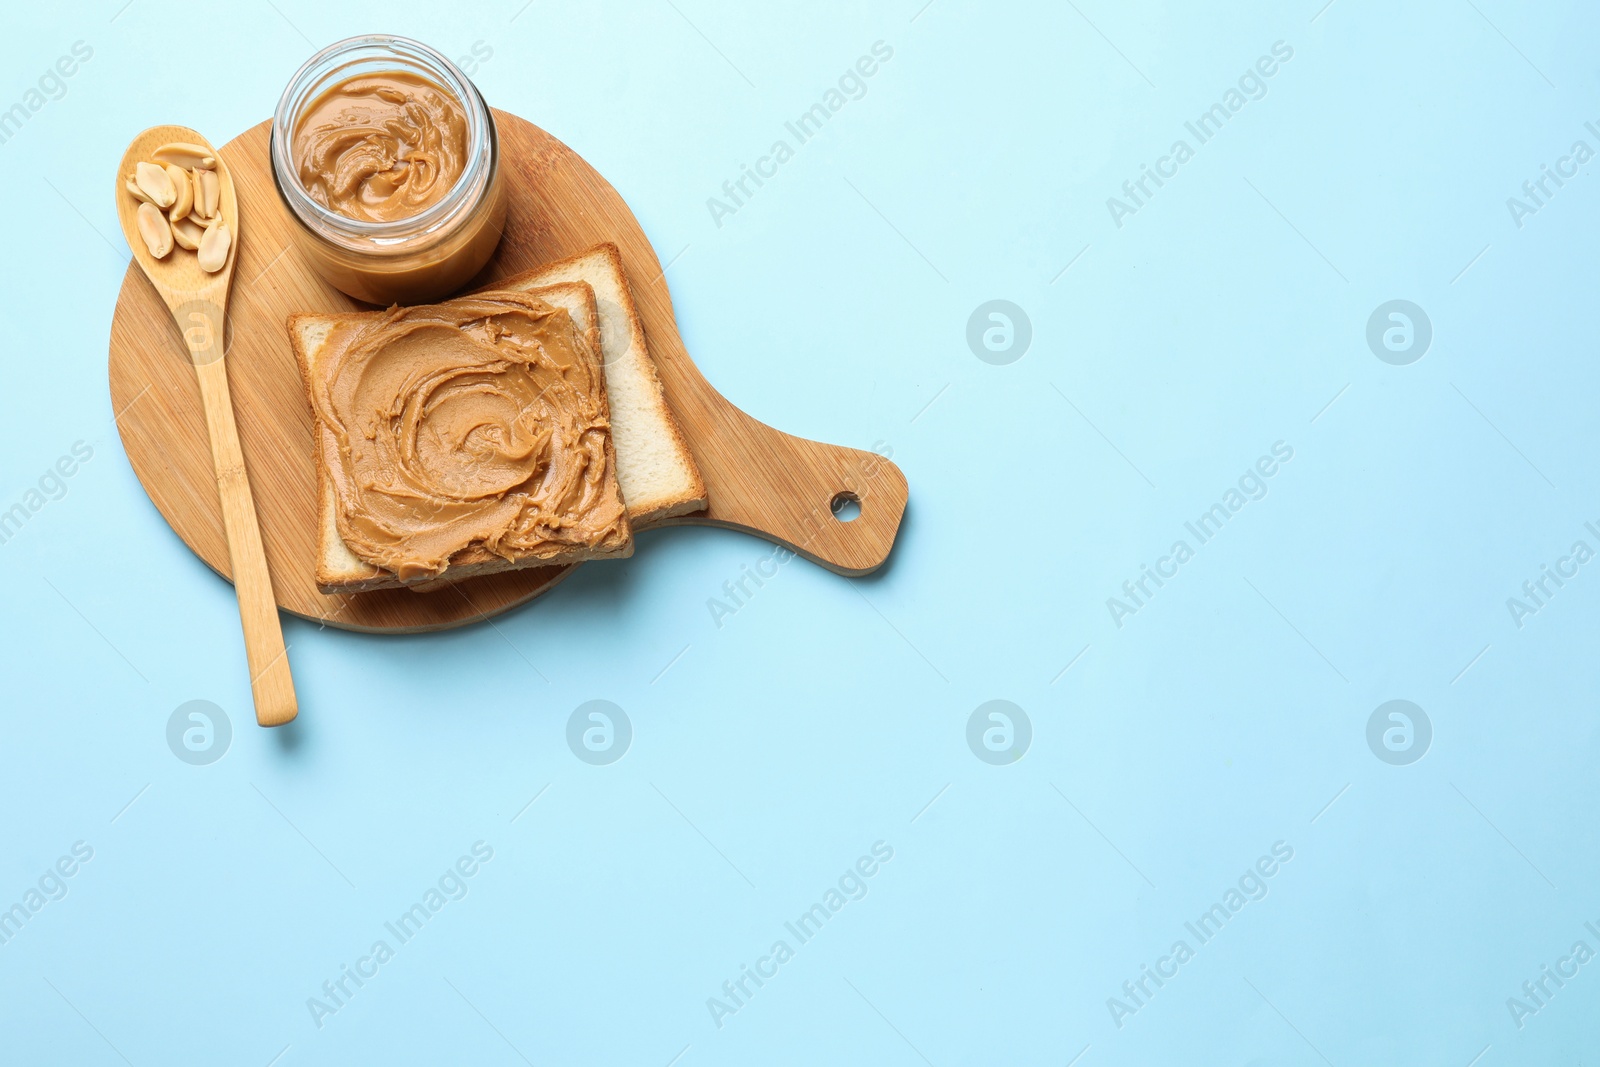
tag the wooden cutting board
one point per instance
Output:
(757, 479)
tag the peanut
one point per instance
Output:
(184, 155)
(188, 233)
(154, 229)
(154, 181)
(138, 193)
(185, 193)
(214, 248)
(208, 193)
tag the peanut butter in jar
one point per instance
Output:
(386, 156)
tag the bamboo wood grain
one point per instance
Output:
(758, 479)
(198, 304)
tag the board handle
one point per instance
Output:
(802, 494)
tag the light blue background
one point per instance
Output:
(769, 753)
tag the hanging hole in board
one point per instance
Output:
(845, 506)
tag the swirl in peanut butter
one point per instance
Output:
(381, 147)
(477, 423)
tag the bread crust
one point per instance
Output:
(643, 514)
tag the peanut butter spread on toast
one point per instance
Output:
(481, 422)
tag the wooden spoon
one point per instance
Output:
(198, 301)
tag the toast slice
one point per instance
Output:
(657, 472)
(315, 338)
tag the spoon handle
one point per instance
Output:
(270, 679)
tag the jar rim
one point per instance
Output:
(317, 72)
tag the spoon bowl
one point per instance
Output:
(177, 275)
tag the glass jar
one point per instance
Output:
(412, 260)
